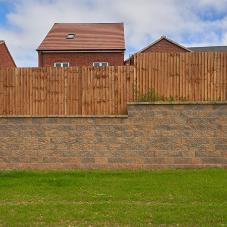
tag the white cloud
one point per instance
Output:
(190, 23)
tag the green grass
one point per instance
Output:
(114, 198)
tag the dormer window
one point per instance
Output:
(70, 36)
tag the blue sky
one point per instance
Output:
(25, 23)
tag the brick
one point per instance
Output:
(221, 147)
(15, 153)
(146, 153)
(103, 160)
(12, 159)
(114, 160)
(155, 133)
(133, 154)
(161, 153)
(180, 120)
(174, 113)
(9, 133)
(30, 153)
(160, 113)
(182, 160)
(49, 159)
(140, 120)
(75, 160)
(162, 146)
(102, 121)
(187, 113)
(201, 154)
(140, 133)
(217, 113)
(127, 160)
(181, 147)
(56, 133)
(107, 153)
(214, 160)
(196, 160)
(189, 154)
(175, 153)
(168, 160)
(101, 147)
(196, 140)
(19, 121)
(43, 153)
(152, 160)
(215, 153)
(25, 160)
(221, 140)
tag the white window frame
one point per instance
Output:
(100, 63)
(61, 63)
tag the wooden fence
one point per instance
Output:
(106, 90)
(65, 91)
(195, 75)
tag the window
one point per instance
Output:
(70, 36)
(61, 64)
(100, 63)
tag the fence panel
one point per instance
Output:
(194, 76)
(66, 91)
(106, 90)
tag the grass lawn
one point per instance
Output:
(114, 198)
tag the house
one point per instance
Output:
(167, 45)
(6, 60)
(161, 45)
(83, 44)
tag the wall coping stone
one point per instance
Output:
(180, 103)
(64, 116)
(120, 116)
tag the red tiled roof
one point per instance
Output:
(92, 36)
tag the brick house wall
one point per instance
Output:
(152, 136)
(6, 60)
(164, 46)
(82, 59)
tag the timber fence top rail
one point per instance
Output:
(64, 116)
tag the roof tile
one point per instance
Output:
(88, 36)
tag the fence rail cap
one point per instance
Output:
(64, 116)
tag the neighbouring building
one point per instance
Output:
(167, 45)
(6, 60)
(83, 44)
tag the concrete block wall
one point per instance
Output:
(152, 136)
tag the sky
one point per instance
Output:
(25, 23)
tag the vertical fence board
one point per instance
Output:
(214, 82)
(224, 75)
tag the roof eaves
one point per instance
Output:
(81, 50)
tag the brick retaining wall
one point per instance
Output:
(152, 136)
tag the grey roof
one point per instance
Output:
(208, 49)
